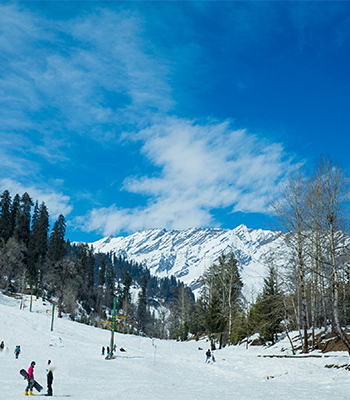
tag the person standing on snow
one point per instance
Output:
(49, 375)
(208, 354)
(17, 351)
(30, 380)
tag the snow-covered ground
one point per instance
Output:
(157, 370)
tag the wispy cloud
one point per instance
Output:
(61, 81)
(57, 203)
(203, 166)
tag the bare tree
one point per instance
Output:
(335, 191)
(11, 262)
(290, 209)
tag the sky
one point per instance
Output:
(125, 116)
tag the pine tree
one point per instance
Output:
(221, 287)
(269, 308)
(38, 242)
(142, 313)
(126, 289)
(102, 271)
(23, 218)
(14, 212)
(57, 244)
(5, 216)
(63, 267)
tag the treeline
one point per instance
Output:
(313, 211)
(81, 283)
(308, 277)
(307, 284)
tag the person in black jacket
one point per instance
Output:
(49, 370)
(208, 354)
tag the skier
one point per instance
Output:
(49, 375)
(2, 345)
(212, 357)
(17, 351)
(107, 351)
(30, 380)
(208, 354)
(103, 350)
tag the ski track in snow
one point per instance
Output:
(167, 371)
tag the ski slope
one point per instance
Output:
(153, 369)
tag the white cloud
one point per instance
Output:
(57, 203)
(204, 166)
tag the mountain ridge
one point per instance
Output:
(187, 253)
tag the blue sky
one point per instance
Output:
(126, 116)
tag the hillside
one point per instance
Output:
(154, 369)
(187, 253)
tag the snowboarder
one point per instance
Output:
(30, 380)
(17, 351)
(49, 375)
(103, 350)
(208, 354)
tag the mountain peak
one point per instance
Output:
(186, 254)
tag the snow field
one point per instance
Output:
(153, 369)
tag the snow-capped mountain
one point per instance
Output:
(187, 253)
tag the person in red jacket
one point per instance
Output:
(30, 380)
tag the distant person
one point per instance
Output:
(30, 380)
(208, 354)
(49, 375)
(17, 351)
(2, 345)
(212, 357)
(107, 351)
(103, 350)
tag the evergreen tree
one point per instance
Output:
(14, 212)
(110, 285)
(142, 313)
(38, 242)
(102, 271)
(220, 293)
(57, 244)
(269, 309)
(5, 216)
(63, 267)
(85, 267)
(127, 280)
(22, 228)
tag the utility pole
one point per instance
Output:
(115, 320)
(31, 298)
(53, 313)
(113, 325)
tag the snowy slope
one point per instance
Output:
(169, 370)
(186, 254)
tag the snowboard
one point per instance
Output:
(25, 375)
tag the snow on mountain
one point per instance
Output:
(186, 254)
